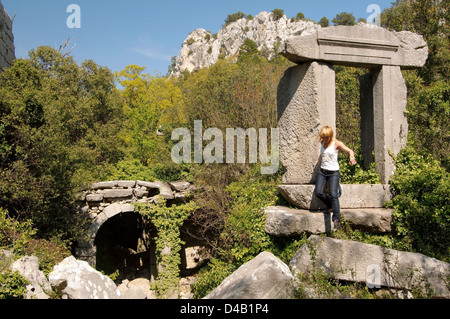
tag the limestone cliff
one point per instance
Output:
(203, 49)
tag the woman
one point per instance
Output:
(329, 171)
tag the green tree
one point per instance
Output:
(428, 106)
(344, 18)
(421, 189)
(153, 106)
(58, 129)
(429, 18)
(249, 50)
(278, 13)
(234, 17)
(324, 22)
(300, 16)
(428, 119)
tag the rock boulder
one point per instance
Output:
(28, 267)
(371, 264)
(75, 279)
(264, 277)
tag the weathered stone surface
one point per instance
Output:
(179, 186)
(90, 250)
(127, 208)
(413, 49)
(372, 220)
(127, 184)
(390, 126)
(306, 100)
(117, 193)
(94, 197)
(264, 277)
(284, 221)
(359, 262)
(134, 293)
(28, 267)
(363, 45)
(165, 190)
(353, 196)
(104, 185)
(139, 193)
(143, 285)
(75, 279)
(149, 185)
(112, 210)
(104, 200)
(7, 49)
(96, 224)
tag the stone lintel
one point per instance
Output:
(359, 46)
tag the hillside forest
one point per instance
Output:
(64, 126)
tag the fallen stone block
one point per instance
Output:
(374, 265)
(371, 220)
(288, 222)
(264, 277)
(179, 186)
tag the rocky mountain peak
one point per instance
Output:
(203, 49)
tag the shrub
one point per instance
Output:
(14, 235)
(234, 17)
(357, 174)
(168, 221)
(50, 253)
(278, 13)
(421, 203)
(210, 277)
(12, 285)
(428, 114)
(244, 234)
(19, 238)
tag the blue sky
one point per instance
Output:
(116, 33)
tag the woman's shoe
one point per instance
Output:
(337, 224)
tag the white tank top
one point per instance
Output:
(329, 158)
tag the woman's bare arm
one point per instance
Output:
(341, 146)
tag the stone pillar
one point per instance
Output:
(384, 127)
(306, 102)
(7, 50)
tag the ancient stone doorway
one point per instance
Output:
(125, 242)
(306, 100)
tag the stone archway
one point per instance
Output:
(103, 201)
(306, 102)
(122, 243)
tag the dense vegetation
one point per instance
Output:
(63, 126)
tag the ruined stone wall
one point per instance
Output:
(7, 51)
(104, 200)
